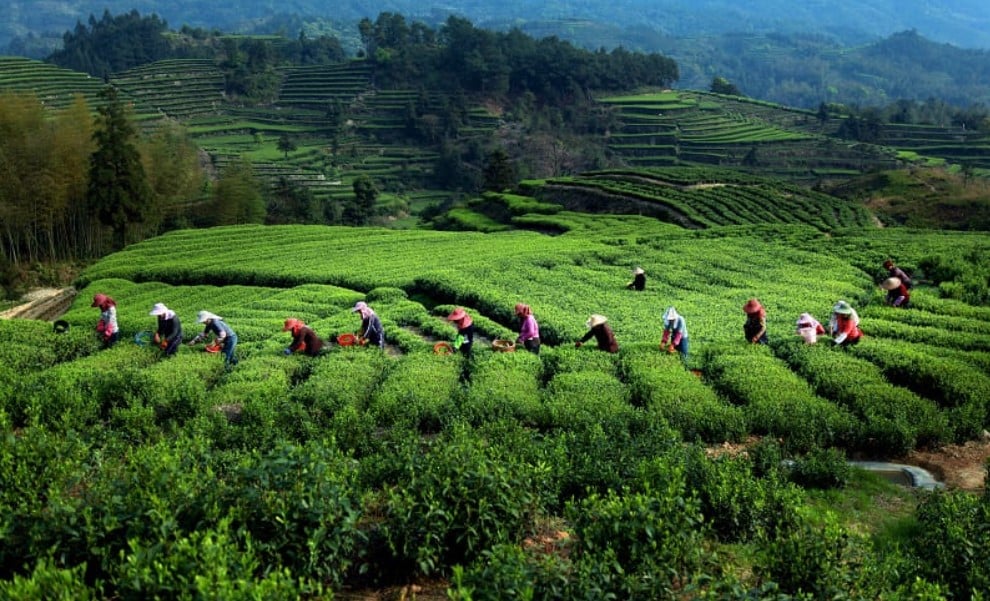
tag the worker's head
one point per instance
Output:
(206, 317)
(159, 310)
(523, 310)
(595, 320)
(888, 264)
(805, 320)
(842, 308)
(670, 315)
(891, 284)
(752, 307)
(638, 271)
(363, 309)
(292, 324)
(100, 300)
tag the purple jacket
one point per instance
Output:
(529, 329)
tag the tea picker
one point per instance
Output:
(107, 330)
(755, 327)
(844, 324)
(897, 292)
(675, 335)
(371, 326)
(465, 330)
(224, 337)
(529, 330)
(639, 280)
(304, 339)
(168, 335)
(602, 333)
(809, 328)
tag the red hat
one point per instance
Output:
(291, 324)
(752, 306)
(99, 300)
(457, 315)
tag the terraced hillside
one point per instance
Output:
(702, 198)
(684, 128)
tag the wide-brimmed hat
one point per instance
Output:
(752, 306)
(359, 306)
(638, 271)
(457, 314)
(158, 310)
(595, 320)
(670, 314)
(523, 310)
(843, 308)
(891, 283)
(291, 324)
(805, 320)
(99, 300)
(205, 316)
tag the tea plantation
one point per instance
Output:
(572, 474)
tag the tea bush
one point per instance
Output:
(776, 401)
(953, 542)
(660, 384)
(457, 498)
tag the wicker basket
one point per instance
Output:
(504, 346)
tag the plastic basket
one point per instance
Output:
(346, 339)
(213, 348)
(443, 348)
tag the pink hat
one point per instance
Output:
(360, 306)
(523, 310)
(457, 314)
(752, 306)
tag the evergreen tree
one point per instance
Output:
(362, 208)
(500, 173)
(118, 190)
(237, 197)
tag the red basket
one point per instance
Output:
(213, 348)
(346, 339)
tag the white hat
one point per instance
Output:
(670, 314)
(159, 309)
(638, 271)
(359, 306)
(595, 320)
(204, 316)
(891, 284)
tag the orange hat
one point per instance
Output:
(99, 300)
(752, 306)
(291, 324)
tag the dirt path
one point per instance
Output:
(961, 467)
(45, 304)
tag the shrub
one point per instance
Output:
(49, 582)
(504, 385)
(953, 541)
(662, 385)
(418, 392)
(458, 497)
(821, 468)
(301, 506)
(576, 399)
(656, 533)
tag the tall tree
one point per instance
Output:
(237, 197)
(118, 189)
(362, 208)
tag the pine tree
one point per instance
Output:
(118, 189)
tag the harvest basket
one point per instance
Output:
(213, 348)
(503, 346)
(443, 348)
(347, 339)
